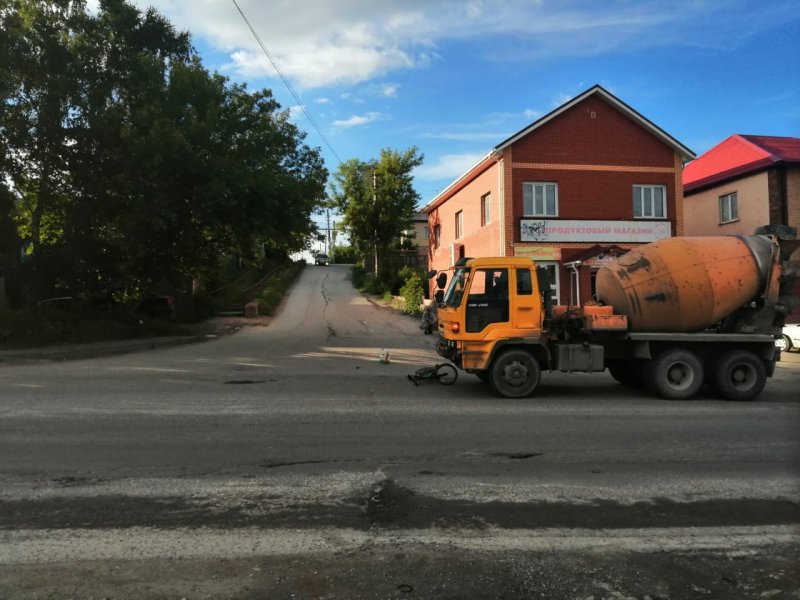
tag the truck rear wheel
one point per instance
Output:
(739, 375)
(515, 374)
(674, 374)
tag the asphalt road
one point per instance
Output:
(287, 460)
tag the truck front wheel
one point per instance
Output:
(515, 374)
(675, 374)
(739, 375)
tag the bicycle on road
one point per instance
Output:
(444, 373)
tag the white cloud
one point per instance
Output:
(389, 90)
(356, 121)
(319, 44)
(448, 166)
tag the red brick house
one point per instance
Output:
(742, 183)
(584, 183)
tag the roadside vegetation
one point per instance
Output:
(377, 200)
(275, 287)
(71, 322)
(128, 169)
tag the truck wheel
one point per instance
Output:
(783, 343)
(627, 372)
(739, 375)
(675, 374)
(515, 374)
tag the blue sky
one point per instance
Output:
(457, 78)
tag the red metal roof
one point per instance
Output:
(739, 155)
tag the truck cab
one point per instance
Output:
(492, 304)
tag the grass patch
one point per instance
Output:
(275, 287)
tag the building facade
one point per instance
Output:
(415, 242)
(578, 187)
(742, 183)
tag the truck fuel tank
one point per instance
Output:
(686, 284)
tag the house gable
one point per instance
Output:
(598, 93)
(593, 132)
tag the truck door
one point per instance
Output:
(526, 310)
(487, 301)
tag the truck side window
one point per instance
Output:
(524, 285)
(487, 301)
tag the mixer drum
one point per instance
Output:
(685, 284)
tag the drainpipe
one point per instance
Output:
(574, 266)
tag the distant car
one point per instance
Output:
(321, 259)
(790, 340)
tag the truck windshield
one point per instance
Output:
(456, 289)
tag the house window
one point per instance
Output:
(486, 209)
(459, 224)
(728, 208)
(425, 232)
(649, 202)
(437, 235)
(540, 199)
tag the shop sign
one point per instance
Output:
(534, 230)
(538, 253)
(599, 262)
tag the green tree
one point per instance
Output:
(39, 86)
(376, 200)
(130, 163)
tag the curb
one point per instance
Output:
(96, 349)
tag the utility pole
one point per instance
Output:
(375, 204)
(328, 236)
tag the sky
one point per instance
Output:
(456, 78)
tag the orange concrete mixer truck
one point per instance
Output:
(671, 316)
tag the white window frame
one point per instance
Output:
(554, 268)
(459, 224)
(729, 203)
(530, 201)
(644, 191)
(486, 209)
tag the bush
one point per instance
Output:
(358, 276)
(345, 255)
(413, 294)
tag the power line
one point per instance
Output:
(286, 83)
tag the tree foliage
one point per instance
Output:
(376, 199)
(130, 163)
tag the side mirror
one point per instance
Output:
(441, 280)
(439, 296)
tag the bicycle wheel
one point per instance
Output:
(446, 374)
